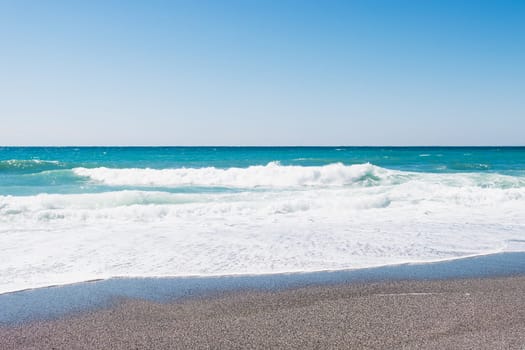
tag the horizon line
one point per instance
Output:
(261, 146)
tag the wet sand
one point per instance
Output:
(487, 313)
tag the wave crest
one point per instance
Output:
(271, 175)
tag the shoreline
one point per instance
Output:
(54, 302)
(264, 274)
(480, 313)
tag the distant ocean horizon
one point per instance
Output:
(74, 213)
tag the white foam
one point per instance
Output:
(275, 175)
(270, 175)
(302, 222)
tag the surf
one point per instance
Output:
(101, 212)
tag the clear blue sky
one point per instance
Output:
(262, 72)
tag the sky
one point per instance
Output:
(286, 72)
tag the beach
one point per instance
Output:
(471, 303)
(482, 313)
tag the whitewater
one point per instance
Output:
(68, 220)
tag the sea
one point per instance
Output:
(71, 214)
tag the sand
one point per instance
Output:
(484, 313)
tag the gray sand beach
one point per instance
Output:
(486, 313)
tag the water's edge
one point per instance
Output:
(53, 302)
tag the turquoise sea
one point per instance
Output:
(69, 214)
(33, 170)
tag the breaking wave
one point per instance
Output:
(271, 175)
(275, 175)
(303, 219)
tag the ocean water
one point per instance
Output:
(73, 214)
